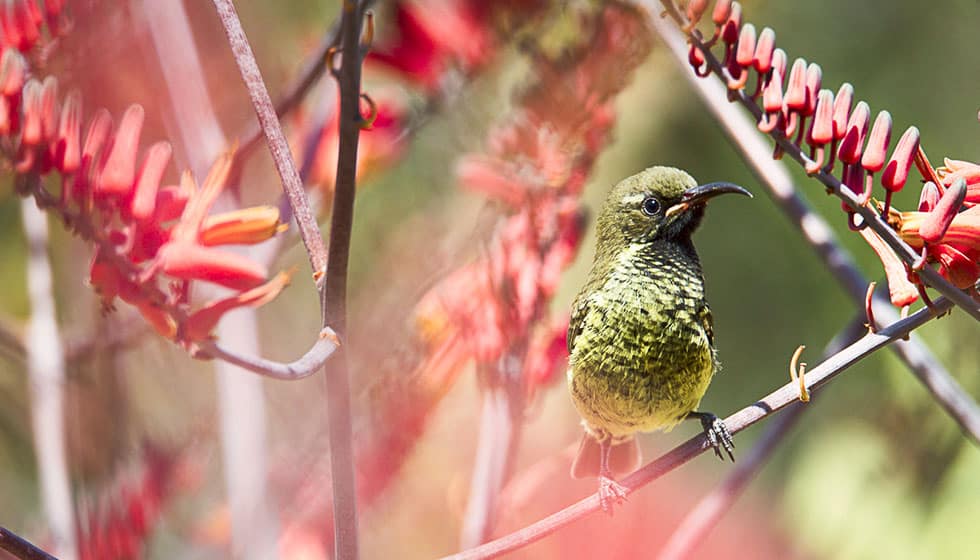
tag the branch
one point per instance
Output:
(775, 177)
(310, 363)
(706, 514)
(870, 216)
(309, 231)
(308, 76)
(20, 547)
(763, 408)
(46, 369)
(335, 287)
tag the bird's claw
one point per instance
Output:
(610, 492)
(718, 435)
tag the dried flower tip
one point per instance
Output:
(762, 60)
(119, 172)
(929, 197)
(797, 372)
(869, 309)
(876, 151)
(897, 170)
(68, 152)
(155, 162)
(852, 145)
(842, 109)
(937, 221)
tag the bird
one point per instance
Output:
(640, 340)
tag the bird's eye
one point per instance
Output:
(651, 206)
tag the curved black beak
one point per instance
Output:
(700, 194)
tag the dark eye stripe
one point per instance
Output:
(650, 206)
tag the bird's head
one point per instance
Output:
(656, 204)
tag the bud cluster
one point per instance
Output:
(794, 105)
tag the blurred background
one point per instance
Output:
(874, 469)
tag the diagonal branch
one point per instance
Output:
(775, 177)
(709, 511)
(873, 220)
(309, 231)
(763, 408)
(21, 547)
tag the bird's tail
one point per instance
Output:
(624, 457)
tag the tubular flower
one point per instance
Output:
(945, 228)
(146, 235)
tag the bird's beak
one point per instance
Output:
(699, 195)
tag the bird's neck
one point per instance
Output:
(670, 258)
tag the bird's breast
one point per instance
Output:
(643, 358)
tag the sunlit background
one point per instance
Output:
(874, 468)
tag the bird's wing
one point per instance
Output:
(577, 321)
(704, 317)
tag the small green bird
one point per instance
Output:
(641, 352)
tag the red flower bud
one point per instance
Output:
(897, 170)
(762, 60)
(852, 145)
(842, 109)
(119, 172)
(876, 151)
(929, 197)
(151, 172)
(934, 226)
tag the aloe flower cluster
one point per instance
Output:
(842, 140)
(534, 169)
(152, 240)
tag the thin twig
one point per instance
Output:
(335, 287)
(709, 511)
(20, 547)
(310, 363)
(871, 217)
(763, 408)
(309, 231)
(311, 72)
(46, 369)
(775, 177)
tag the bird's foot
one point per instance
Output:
(610, 492)
(718, 435)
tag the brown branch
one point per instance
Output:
(763, 408)
(775, 177)
(706, 514)
(335, 287)
(311, 72)
(307, 365)
(20, 547)
(309, 231)
(870, 216)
